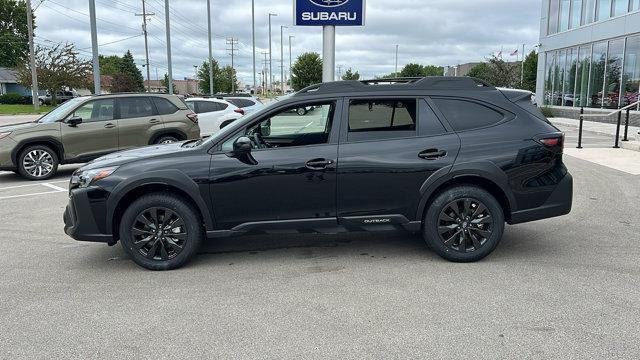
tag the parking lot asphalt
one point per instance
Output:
(560, 288)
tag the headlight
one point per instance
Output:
(87, 177)
(4, 134)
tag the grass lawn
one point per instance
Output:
(6, 109)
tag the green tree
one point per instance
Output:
(14, 37)
(412, 70)
(531, 72)
(306, 71)
(109, 65)
(129, 68)
(223, 78)
(58, 68)
(432, 70)
(481, 71)
(350, 75)
(165, 83)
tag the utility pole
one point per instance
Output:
(168, 31)
(282, 57)
(253, 34)
(290, 74)
(196, 79)
(339, 72)
(32, 59)
(232, 42)
(146, 43)
(522, 68)
(270, 52)
(264, 72)
(210, 48)
(94, 46)
(397, 46)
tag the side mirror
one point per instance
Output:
(265, 128)
(74, 121)
(242, 145)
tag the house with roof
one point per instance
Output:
(9, 83)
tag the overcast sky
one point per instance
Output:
(438, 32)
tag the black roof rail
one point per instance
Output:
(411, 83)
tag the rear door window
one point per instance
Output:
(466, 115)
(241, 103)
(371, 119)
(164, 106)
(135, 107)
(209, 106)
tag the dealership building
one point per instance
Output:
(589, 55)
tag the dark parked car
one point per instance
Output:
(453, 158)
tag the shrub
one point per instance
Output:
(547, 111)
(12, 99)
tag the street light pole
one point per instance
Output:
(210, 48)
(196, 79)
(270, 58)
(253, 34)
(168, 30)
(94, 48)
(397, 46)
(328, 53)
(290, 75)
(282, 57)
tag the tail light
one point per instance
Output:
(239, 111)
(193, 117)
(552, 141)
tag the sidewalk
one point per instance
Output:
(604, 129)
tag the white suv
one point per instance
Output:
(214, 114)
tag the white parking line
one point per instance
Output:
(33, 184)
(32, 194)
(51, 186)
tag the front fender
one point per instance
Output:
(171, 178)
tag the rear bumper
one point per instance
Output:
(79, 222)
(558, 204)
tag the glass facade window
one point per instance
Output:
(565, 7)
(604, 10)
(582, 76)
(620, 7)
(568, 98)
(548, 81)
(635, 5)
(554, 9)
(576, 11)
(613, 74)
(596, 80)
(631, 73)
(588, 11)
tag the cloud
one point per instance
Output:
(438, 32)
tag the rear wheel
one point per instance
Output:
(464, 224)
(37, 162)
(302, 111)
(166, 139)
(161, 231)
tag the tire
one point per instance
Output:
(37, 162)
(301, 111)
(482, 228)
(166, 139)
(150, 255)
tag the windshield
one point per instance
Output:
(57, 113)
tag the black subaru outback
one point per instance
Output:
(453, 158)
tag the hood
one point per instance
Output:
(18, 126)
(123, 157)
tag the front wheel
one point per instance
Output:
(161, 231)
(167, 139)
(37, 162)
(464, 224)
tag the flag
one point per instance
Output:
(499, 55)
(515, 53)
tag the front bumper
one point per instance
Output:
(80, 218)
(6, 147)
(559, 203)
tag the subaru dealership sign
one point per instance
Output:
(329, 12)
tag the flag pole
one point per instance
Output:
(522, 68)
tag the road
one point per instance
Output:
(561, 288)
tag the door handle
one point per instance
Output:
(432, 154)
(109, 125)
(154, 121)
(318, 164)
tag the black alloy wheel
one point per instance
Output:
(159, 233)
(465, 225)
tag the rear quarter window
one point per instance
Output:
(467, 115)
(164, 106)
